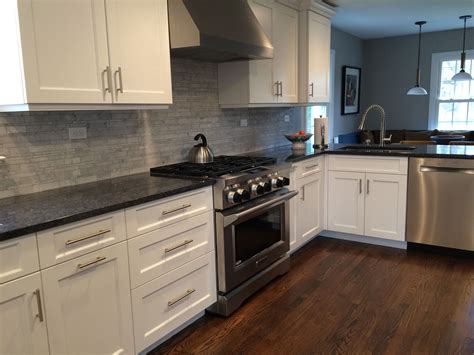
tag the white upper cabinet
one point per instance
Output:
(64, 48)
(314, 59)
(139, 50)
(69, 54)
(268, 81)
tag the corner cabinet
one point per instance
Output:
(265, 82)
(307, 209)
(368, 196)
(84, 54)
(314, 57)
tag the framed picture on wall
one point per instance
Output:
(350, 90)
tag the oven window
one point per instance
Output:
(257, 234)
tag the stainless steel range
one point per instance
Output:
(252, 232)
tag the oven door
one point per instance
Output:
(250, 237)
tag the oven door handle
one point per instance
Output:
(266, 205)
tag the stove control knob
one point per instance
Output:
(267, 187)
(257, 189)
(244, 193)
(286, 181)
(234, 197)
(277, 182)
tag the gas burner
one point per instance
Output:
(222, 165)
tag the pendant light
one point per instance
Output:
(462, 75)
(417, 89)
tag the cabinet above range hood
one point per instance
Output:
(216, 31)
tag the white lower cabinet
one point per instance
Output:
(307, 209)
(309, 217)
(366, 202)
(346, 202)
(87, 302)
(22, 321)
(162, 305)
(385, 206)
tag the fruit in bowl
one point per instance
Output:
(298, 139)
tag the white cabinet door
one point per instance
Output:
(22, 322)
(285, 61)
(18, 257)
(65, 56)
(87, 300)
(319, 48)
(261, 79)
(139, 51)
(346, 202)
(309, 218)
(385, 206)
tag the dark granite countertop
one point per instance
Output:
(286, 154)
(39, 211)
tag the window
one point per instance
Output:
(312, 113)
(451, 103)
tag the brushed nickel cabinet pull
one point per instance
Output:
(311, 167)
(40, 316)
(108, 73)
(186, 242)
(312, 89)
(180, 298)
(360, 186)
(183, 207)
(90, 263)
(119, 89)
(302, 193)
(277, 88)
(368, 185)
(101, 232)
(281, 88)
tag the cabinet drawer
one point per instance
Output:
(157, 214)
(309, 167)
(372, 164)
(70, 241)
(18, 257)
(160, 251)
(167, 302)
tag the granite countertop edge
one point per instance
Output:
(75, 217)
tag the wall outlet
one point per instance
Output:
(287, 118)
(244, 123)
(77, 132)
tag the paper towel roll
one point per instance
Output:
(319, 123)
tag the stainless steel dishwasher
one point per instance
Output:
(441, 202)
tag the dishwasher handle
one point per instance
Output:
(437, 169)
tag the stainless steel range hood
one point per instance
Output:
(216, 31)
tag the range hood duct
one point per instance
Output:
(216, 31)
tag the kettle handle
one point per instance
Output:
(203, 137)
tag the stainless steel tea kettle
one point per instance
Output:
(201, 153)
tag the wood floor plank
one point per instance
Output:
(348, 298)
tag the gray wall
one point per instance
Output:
(391, 69)
(40, 156)
(348, 51)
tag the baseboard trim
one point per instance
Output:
(364, 239)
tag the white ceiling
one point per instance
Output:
(368, 19)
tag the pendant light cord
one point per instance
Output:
(419, 47)
(464, 37)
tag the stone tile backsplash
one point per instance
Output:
(40, 155)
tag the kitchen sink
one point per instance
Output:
(361, 147)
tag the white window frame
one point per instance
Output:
(436, 60)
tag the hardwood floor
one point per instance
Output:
(344, 297)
